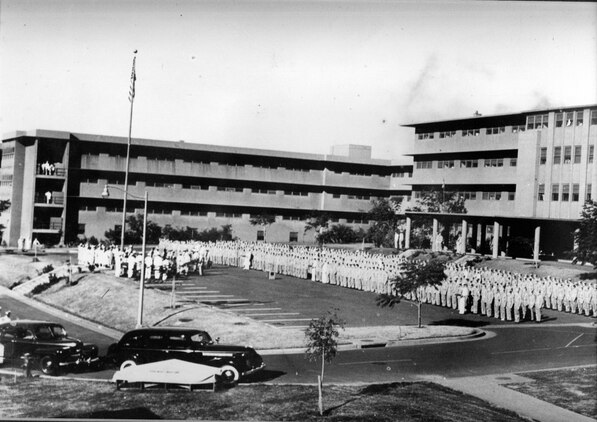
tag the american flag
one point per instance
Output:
(133, 79)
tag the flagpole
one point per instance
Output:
(128, 152)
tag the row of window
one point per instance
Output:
(93, 159)
(571, 155)
(487, 162)
(472, 196)
(539, 121)
(402, 174)
(563, 192)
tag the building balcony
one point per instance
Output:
(465, 176)
(57, 172)
(54, 200)
(459, 143)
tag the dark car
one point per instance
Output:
(146, 345)
(47, 345)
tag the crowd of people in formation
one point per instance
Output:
(493, 293)
(509, 296)
(160, 264)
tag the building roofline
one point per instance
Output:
(485, 217)
(43, 133)
(492, 116)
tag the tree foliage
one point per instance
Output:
(341, 233)
(586, 235)
(4, 205)
(385, 219)
(134, 232)
(318, 222)
(413, 276)
(439, 200)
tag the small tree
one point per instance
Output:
(134, 233)
(263, 220)
(413, 276)
(4, 205)
(586, 236)
(322, 343)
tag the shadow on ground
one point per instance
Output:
(133, 413)
(460, 323)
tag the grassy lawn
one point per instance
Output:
(572, 389)
(384, 402)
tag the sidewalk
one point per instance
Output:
(490, 389)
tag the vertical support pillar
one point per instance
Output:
(483, 238)
(496, 240)
(536, 244)
(434, 235)
(475, 237)
(407, 234)
(464, 235)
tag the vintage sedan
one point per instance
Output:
(146, 345)
(46, 344)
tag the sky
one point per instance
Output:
(288, 75)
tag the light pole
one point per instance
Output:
(106, 194)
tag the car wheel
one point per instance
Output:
(127, 363)
(230, 374)
(48, 365)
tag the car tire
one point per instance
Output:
(127, 363)
(48, 365)
(230, 374)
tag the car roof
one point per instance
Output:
(15, 322)
(166, 330)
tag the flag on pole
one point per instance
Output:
(133, 79)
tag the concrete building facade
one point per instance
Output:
(524, 175)
(195, 185)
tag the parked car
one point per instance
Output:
(146, 345)
(48, 345)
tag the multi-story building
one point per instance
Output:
(54, 181)
(523, 175)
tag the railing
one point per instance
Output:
(52, 225)
(43, 170)
(54, 199)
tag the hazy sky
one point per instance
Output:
(289, 75)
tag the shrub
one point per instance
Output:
(52, 279)
(47, 269)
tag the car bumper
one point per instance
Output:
(252, 371)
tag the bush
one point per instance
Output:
(52, 279)
(47, 269)
(589, 276)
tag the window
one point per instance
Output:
(593, 117)
(491, 196)
(557, 155)
(424, 164)
(577, 154)
(511, 196)
(260, 235)
(447, 164)
(589, 189)
(494, 162)
(566, 192)
(293, 237)
(448, 134)
(425, 135)
(537, 122)
(575, 192)
(555, 192)
(543, 156)
(513, 162)
(591, 153)
(469, 163)
(472, 196)
(81, 229)
(567, 154)
(541, 192)
(559, 119)
(516, 129)
(471, 132)
(495, 130)
(579, 118)
(569, 118)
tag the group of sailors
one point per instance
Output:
(509, 296)
(160, 264)
(490, 292)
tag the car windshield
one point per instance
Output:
(47, 332)
(201, 337)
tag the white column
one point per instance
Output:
(434, 235)
(407, 234)
(496, 239)
(464, 235)
(536, 244)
